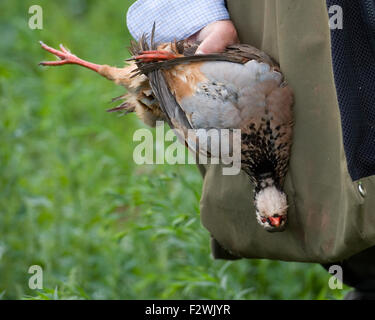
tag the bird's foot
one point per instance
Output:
(66, 58)
(154, 56)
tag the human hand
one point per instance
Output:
(216, 37)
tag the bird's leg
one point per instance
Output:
(154, 56)
(66, 58)
(121, 76)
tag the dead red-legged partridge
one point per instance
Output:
(241, 88)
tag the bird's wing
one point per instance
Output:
(237, 53)
(167, 102)
(175, 115)
(242, 53)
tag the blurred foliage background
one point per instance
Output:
(73, 201)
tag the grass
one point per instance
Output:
(73, 201)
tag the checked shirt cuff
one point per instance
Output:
(175, 19)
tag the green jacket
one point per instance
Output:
(329, 218)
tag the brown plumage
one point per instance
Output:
(241, 88)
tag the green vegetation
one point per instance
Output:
(73, 201)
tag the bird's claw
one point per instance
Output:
(63, 54)
(66, 57)
(66, 51)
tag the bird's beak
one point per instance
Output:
(275, 221)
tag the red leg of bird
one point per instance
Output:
(66, 58)
(155, 55)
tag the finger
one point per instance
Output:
(213, 43)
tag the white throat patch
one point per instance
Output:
(271, 201)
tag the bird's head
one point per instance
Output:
(271, 208)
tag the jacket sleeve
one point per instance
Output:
(175, 19)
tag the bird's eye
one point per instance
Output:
(264, 220)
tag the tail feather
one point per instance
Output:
(125, 106)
